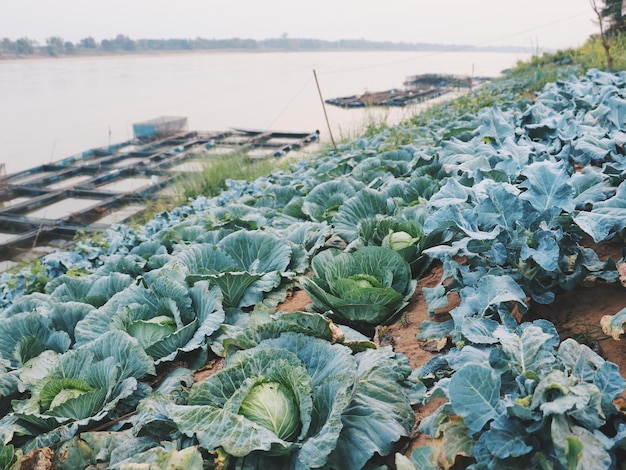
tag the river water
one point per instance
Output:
(54, 108)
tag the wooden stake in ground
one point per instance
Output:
(324, 108)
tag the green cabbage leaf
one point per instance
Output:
(296, 401)
(364, 288)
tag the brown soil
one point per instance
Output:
(577, 313)
(296, 302)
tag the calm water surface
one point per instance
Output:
(53, 108)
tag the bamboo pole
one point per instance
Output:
(332, 139)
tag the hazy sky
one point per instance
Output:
(536, 24)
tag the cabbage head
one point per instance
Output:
(165, 316)
(402, 232)
(245, 265)
(296, 401)
(273, 406)
(364, 288)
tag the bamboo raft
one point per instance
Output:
(417, 88)
(41, 209)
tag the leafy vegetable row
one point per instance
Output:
(496, 198)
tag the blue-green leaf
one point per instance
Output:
(323, 202)
(379, 413)
(133, 360)
(606, 217)
(474, 393)
(548, 187)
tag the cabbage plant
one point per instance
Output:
(402, 233)
(526, 402)
(322, 203)
(296, 401)
(166, 316)
(67, 392)
(364, 288)
(245, 265)
(25, 337)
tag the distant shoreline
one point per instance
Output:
(103, 54)
(267, 46)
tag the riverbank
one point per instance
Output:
(56, 108)
(459, 332)
(144, 54)
(43, 206)
(123, 45)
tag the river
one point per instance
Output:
(54, 108)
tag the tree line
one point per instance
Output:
(57, 46)
(611, 23)
(609, 16)
(611, 12)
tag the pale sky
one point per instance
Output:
(538, 25)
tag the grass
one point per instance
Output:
(375, 120)
(589, 335)
(374, 124)
(211, 181)
(591, 54)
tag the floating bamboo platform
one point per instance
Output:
(417, 88)
(41, 209)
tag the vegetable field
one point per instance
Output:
(447, 293)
